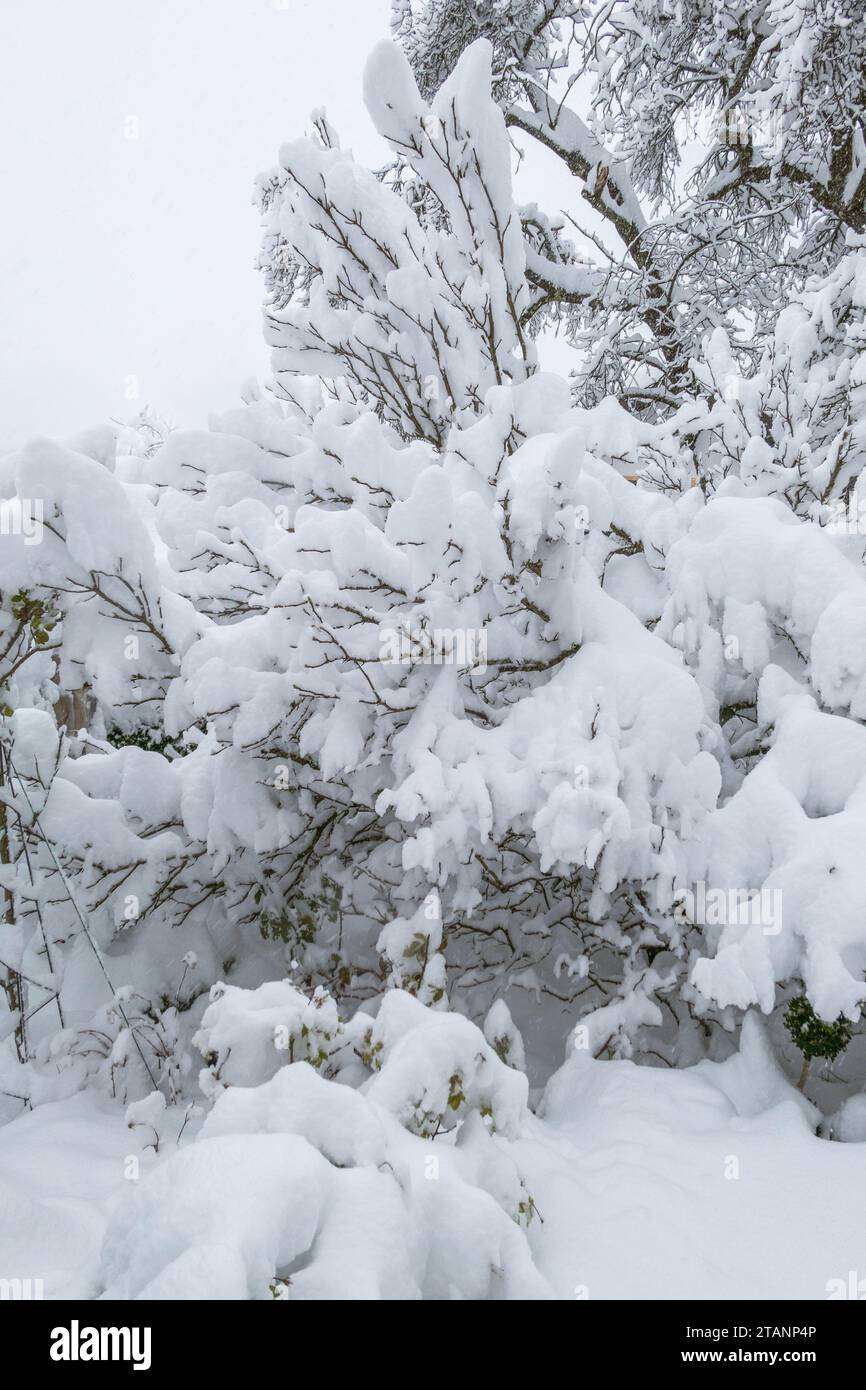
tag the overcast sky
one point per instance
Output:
(131, 132)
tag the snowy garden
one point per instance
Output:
(433, 794)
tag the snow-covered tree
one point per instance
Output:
(431, 714)
(402, 680)
(718, 157)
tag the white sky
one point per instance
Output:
(128, 262)
(134, 257)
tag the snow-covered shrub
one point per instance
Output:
(503, 1036)
(432, 714)
(299, 1186)
(246, 1035)
(411, 946)
(431, 688)
(432, 1069)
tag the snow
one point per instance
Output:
(653, 1185)
(704, 1183)
(849, 1122)
(431, 718)
(61, 1168)
(249, 1033)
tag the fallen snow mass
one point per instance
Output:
(644, 1182)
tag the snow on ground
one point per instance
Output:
(703, 1183)
(60, 1167)
(652, 1186)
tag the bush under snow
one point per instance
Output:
(431, 717)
